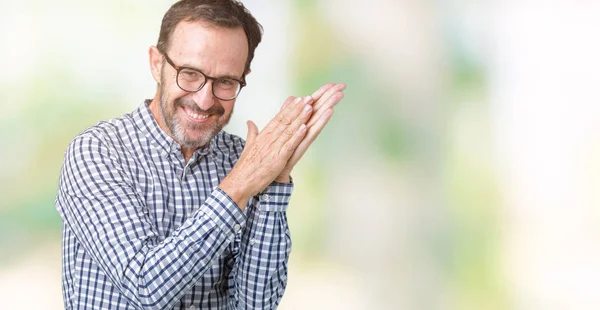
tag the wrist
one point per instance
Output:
(235, 191)
(283, 178)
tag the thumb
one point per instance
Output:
(252, 132)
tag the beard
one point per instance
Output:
(189, 134)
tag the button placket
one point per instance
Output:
(183, 174)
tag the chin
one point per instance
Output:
(200, 139)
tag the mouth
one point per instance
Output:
(195, 117)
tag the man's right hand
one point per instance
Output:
(267, 153)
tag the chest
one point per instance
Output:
(172, 190)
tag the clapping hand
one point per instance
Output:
(272, 153)
(325, 98)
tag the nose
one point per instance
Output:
(204, 98)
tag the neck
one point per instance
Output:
(187, 152)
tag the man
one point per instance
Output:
(161, 209)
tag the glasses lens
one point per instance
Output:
(226, 89)
(190, 80)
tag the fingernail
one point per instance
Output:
(307, 99)
(307, 109)
(298, 99)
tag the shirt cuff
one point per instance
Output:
(275, 197)
(224, 212)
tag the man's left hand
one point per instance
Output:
(325, 98)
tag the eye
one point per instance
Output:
(190, 74)
(227, 82)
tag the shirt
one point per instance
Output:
(143, 229)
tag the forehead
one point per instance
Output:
(215, 50)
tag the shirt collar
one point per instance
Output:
(146, 123)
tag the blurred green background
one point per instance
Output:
(461, 170)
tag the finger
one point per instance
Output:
(271, 129)
(288, 105)
(289, 100)
(293, 110)
(285, 118)
(325, 106)
(252, 132)
(311, 135)
(314, 131)
(288, 132)
(319, 92)
(330, 92)
(290, 146)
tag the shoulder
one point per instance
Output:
(103, 137)
(112, 129)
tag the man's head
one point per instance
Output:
(218, 13)
(214, 37)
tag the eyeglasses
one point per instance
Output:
(192, 80)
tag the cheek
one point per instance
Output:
(228, 106)
(169, 86)
(171, 95)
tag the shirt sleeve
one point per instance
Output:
(259, 276)
(100, 205)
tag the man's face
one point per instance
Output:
(193, 119)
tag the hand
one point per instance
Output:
(267, 153)
(327, 96)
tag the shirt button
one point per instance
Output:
(236, 227)
(192, 307)
(265, 197)
(252, 241)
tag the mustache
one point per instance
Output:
(216, 109)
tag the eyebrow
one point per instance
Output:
(227, 76)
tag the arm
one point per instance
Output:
(99, 204)
(259, 276)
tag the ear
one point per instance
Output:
(156, 62)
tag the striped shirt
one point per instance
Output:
(143, 229)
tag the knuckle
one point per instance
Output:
(284, 120)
